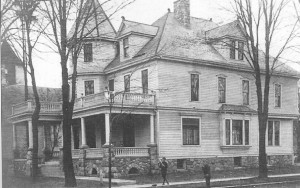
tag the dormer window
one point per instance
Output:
(232, 49)
(239, 49)
(88, 52)
(125, 47)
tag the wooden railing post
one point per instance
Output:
(29, 105)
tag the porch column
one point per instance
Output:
(83, 134)
(14, 137)
(107, 129)
(152, 129)
(30, 139)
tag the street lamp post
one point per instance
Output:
(109, 95)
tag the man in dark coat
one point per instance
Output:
(163, 165)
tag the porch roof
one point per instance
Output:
(236, 108)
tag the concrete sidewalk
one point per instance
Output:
(203, 181)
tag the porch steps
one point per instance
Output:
(51, 169)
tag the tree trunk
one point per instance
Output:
(263, 169)
(35, 115)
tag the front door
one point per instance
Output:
(128, 135)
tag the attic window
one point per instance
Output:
(88, 52)
(232, 49)
(236, 47)
(125, 46)
(241, 51)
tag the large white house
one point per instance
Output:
(179, 91)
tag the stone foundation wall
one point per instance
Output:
(125, 164)
(223, 163)
(20, 166)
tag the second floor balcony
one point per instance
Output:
(99, 99)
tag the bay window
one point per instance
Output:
(273, 133)
(236, 132)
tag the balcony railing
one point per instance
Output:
(131, 152)
(126, 99)
(29, 106)
(118, 99)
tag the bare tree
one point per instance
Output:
(26, 10)
(261, 24)
(60, 13)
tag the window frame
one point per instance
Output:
(88, 52)
(273, 134)
(280, 97)
(145, 86)
(199, 126)
(127, 83)
(85, 87)
(125, 47)
(248, 96)
(113, 84)
(218, 78)
(231, 132)
(191, 88)
(232, 49)
(241, 50)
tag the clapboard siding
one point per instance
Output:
(135, 80)
(170, 137)
(286, 139)
(174, 82)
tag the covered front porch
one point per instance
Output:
(131, 135)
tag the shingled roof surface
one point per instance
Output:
(8, 56)
(97, 25)
(130, 26)
(231, 29)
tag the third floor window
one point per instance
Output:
(88, 52)
(125, 47)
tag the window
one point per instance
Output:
(245, 92)
(180, 164)
(145, 81)
(237, 161)
(241, 50)
(277, 95)
(236, 132)
(194, 87)
(88, 52)
(89, 87)
(222, 89)
(127, 83)
(111, 85)
(125, 47)
(273, 133)
(232, 49)
(190, 131)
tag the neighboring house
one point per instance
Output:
(11, 66)
(186, 94)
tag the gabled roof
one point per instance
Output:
(96, 22)
(174, 41)
(231, 29)
(135, 27)
(8, 56)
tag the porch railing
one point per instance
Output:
(94, 153)
(55, 153)
(29, 106)
(118, 99)
(131, 151)
(75, 153)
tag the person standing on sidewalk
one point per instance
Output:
(207, 175)
(163, 165)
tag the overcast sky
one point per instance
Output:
(145, 11)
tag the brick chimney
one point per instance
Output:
(182, 12)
